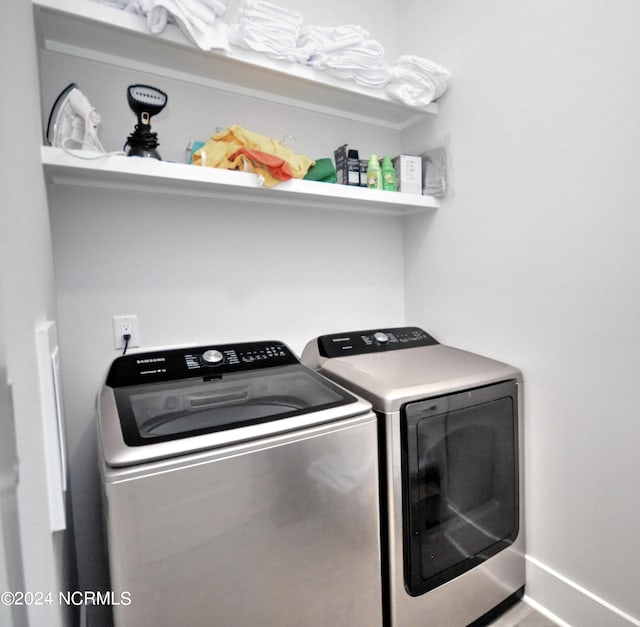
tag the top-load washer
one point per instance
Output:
(451, 468)
(240, 488)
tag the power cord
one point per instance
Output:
(126, 337)
(142, 139)
(77, 152)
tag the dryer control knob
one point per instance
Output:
(380, 337)
(212, 357)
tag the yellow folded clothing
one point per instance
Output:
(224, 150)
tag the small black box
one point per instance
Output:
(347, 166)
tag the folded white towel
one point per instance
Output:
(116, 4)
(316, 40)
(257, 9)
(273, 43)
(288, 20)
(346, 52)
(199, 8)
(416, 81)
(198, 22)
(420, 65)
(197, 19)
(367, 78)
(366, 55)
(267, 28)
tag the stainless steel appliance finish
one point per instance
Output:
(451, 435)
(240, 490)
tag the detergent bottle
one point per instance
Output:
(389, 180)
(374, 173)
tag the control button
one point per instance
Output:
(380, 337)
(212, 357)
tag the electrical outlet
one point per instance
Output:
(126, 325)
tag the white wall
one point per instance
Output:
(28, 299)
(535, 259)
(203, 271)
(201, 274)
(11, 568)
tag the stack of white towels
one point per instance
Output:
(347, 52)
(199, 20)
(267, 28)
(416, 81)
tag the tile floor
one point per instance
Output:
(522, 615)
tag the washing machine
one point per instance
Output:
(451, 467)
(240, 488)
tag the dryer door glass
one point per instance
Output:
(460, 476)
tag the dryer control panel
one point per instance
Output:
(372, 341)
(200, 361)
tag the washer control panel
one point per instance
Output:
(205, 361)
(373, 341)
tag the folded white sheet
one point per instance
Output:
(416, 81)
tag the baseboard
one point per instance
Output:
(567, 603)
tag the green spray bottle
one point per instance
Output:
(389, 179)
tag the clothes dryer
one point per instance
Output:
(240, 488)
(450, 425)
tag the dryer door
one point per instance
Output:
(460, 482)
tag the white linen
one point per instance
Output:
(199, 20)
(318, 40)
(416, 81)
(267, 28)
(346, 52)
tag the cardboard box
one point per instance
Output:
(409, 173)
(347, 166)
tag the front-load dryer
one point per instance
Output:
(240, 488)
(450, 425)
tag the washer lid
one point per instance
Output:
(168, 403)
(157, 412)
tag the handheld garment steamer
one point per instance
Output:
(145, 102)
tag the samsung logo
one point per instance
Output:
(152, 360)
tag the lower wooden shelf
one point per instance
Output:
(77, 168)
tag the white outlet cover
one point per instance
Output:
(117, 332)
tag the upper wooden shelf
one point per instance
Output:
(93, 31)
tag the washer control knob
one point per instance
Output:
(380, 337)
(212, 357)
